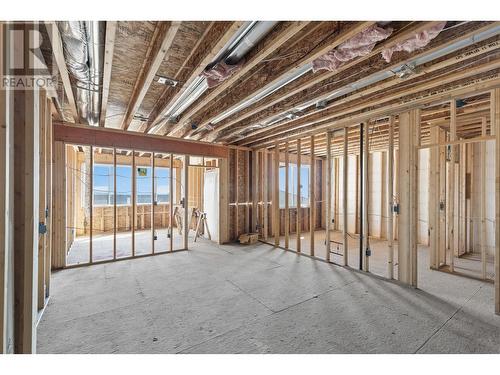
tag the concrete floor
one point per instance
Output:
(258, 299)
(469, 264)
(102, 245)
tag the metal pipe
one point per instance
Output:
(83, 45)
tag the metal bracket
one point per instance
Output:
(42, 228)
(368, 252)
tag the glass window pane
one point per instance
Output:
(103, 191)
(123, 203)
(144, 201)
(77, 204)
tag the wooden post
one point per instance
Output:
(328, 193)
(312, 196)
(42, 203)
(153, 202)
(237, 193)
(365, 192)
(390, 198)
(482, 204)
(451, 184)
(186, 201)
(255, 193)
(276, 196)
(408, 168)
(59, 207)
(441, 246)
(134, 213)
(299, 208)
(223, 200)
(265, 194)
(115, 220)
(345, 240)
(48, 154)
(26, 194)
(335, 200)
(434, 198)
(287, 192)
(91, 203)
(171, 203)
(495, 126)
(247, 193)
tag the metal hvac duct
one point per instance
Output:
(83, 45)
(258, 31)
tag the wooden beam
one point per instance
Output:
(58, 208)
(367, 92)
(6, 207)
(298, 224)
(237, 193)
(327, 45)
(312, 198)
(265, 193)
(441, 246)
(451, 183)
(390, 199)
(159, 45)
(495, 127)
(482, 199)
(223, 200)
(287, 201)
(269, 45)
(434, 199)
(185, 182)
(345, 175)
(317, 120)
(276, 196)
(328, 215)
(26, 189)
(365, 192)
(254, 177)
(57, 51)
(215, 37)
(408, 192)
(115, 219)
(108, 66)
(171, 202)
(89, 135)
(42, 197)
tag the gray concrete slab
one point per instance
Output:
(258, 299)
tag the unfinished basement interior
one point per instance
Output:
(250, 187)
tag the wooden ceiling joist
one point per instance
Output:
(297, 94)
(325, 46)
(108, 65)
(58, 53)
(203, 53)
(309, 123)
(277, 38)
(463, 88)
(161, 41)
(476, 52)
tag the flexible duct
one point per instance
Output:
(83, 45)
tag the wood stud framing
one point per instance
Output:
(345, 172)
(298, 225)
(390, 199)
(312, 198)
(495, 127)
